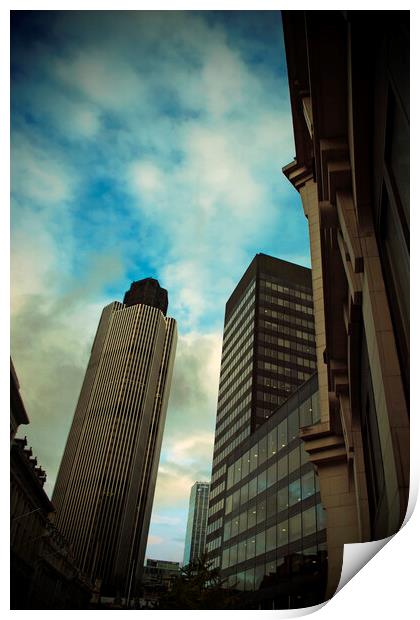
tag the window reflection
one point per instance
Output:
(309, 521)
(295, 528)
(282, 533)
(282, 434)
(262, 481)
(294, 492)
(271, 539)
(252, 515)
(250, 548)
(260, 543)
(261, 511)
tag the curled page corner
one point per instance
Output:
(356, 555)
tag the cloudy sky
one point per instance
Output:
(143, 144)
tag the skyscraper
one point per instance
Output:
(268, 352)
(195, 537)
(105, 485)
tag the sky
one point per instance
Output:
(143, 144)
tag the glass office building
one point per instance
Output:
(274, 537)
(268, 353)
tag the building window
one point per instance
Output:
(282, 533)
(260, 543)
(271, 538)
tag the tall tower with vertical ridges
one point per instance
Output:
(105, 485)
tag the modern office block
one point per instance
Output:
(195, 537)
(274, 539)
(105, 486)
(349, 88)
(268, 352)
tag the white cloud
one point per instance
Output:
(103, 77)
(191, 448)
(166, 520)
(39, 176)
(174, 486)
(154, 540)
(145, 177)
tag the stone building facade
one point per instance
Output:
(349, 88)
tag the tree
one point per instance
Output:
(199, 586)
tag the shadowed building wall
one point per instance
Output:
(349, 88)
(105, 486)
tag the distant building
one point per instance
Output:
(161, 572)
(349, 77)
(43, 572)
(264, 500)
(195, 538)
(105, 485)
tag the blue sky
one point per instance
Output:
(143, 144)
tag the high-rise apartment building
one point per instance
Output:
(350, 98)
(268, 352)
(105, 485)
(195, 537)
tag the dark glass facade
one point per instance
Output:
(268, 352)
(273, 518)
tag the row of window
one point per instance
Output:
(214, 544)
(233, 444)
(254, 578)
(275, 384)
(267, 506)
(284, 370)
(231, 331)
(246, 342)
(295, 292)
(232, 319)
(217, 473)
(287, 344)
(288, 531)
(220, 487)
(242, 411)
(290, 318)
(271, 444)
(278, 470)
(286, 357)
(241, 422)
(274, 399)
(227, 379)
(285, 330)
(232, 345)
(216, 507)
(228, 406)
(212, 527)
(278, 301)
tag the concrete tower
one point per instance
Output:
(105, 486)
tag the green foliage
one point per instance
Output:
(199, 587)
